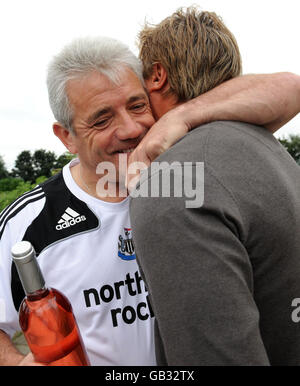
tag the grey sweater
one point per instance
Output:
(223, 277)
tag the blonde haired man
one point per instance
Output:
(192, 57)
(224, 275)
(212, 56)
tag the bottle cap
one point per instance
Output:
(23, 255)
(22, 251)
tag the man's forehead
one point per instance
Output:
(109, 75)
(96, 82)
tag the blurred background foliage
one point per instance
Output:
(32, 169)
(29, 171)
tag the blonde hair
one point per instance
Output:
(195, 48)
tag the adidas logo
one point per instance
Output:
(68, 219)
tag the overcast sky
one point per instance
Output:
(32, 31)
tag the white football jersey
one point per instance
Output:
(85, 249)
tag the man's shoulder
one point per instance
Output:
(247, 146)
(27, 207)
(222, 138)
(225, 132)
(47, 214)
(35, 194)
(238, 155)
(23, 204)
(220, 133)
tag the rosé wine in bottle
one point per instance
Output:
(46, 316)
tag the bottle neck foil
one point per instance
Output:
(29, 271)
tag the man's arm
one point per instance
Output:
(269, 100)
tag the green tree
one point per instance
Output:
(29, 167)
(3, 171)
(292, 145)
(43, 163)
(63, 159)
(24, 166)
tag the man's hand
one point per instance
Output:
(163, 134)
(28, 360)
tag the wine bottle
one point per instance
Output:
(45, 315)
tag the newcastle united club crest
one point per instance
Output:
(125, 245)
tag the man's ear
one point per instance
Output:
(66, 137)
(158, 80)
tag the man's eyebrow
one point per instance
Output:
(98, 114)
(138, 97)
(104, 110)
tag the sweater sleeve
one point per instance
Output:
(200, 279)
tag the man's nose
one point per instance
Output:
(129, 128)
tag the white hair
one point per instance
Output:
(83, 55)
